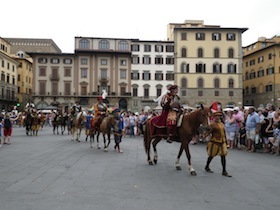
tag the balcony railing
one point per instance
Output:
(54, 77)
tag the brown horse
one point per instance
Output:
(78, 125)
(108, 124)
(189, 127)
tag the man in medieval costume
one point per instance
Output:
(100, 110)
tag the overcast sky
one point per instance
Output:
(62, 20)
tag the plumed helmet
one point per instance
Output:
(172, 87)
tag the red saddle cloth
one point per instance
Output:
(158, 125)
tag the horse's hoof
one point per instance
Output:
(155, 162)
(98, 147)
(178, 168)
(193, 173)
(150, 162)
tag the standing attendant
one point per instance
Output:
(217, 144)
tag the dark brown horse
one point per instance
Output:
(189, 127)
(107, 126)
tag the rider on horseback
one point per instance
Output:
(100, 111)
(171, 109)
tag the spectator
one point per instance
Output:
(275, 139)
(242, 136)
(265, 132)
(231, 127)
(1, 141)
(7, 129)
(252, 128)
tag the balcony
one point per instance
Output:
(103, 79)
(54, 77)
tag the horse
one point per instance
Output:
(56, 123)
(107, 124)
(78, 126)
(28, 123)
(189, 127)
(64, 123)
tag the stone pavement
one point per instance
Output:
(51, 172)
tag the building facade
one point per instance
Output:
(152, 71)
(8, 82)
(207, 62)
(261, 72)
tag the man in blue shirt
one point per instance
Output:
(252, 128)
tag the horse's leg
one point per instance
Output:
(191, 169)
(78, 135)
(177, 164)
(155, 142)
(104, 141)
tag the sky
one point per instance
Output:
(63, 20)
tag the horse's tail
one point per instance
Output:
(147, 136)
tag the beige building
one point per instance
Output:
(207, 62)
(261, 72)
(103, 64)
(8, 82)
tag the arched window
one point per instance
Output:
(184, 52)
(216, 83)
(184, 68)
(230, 83)
(200, 53)
(200, 83)
(84, 44)
(216, 53)
(104, 44)
(184, 83)
(123, 45)
(230, 53)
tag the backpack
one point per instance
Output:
(7, 123)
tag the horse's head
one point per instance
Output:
(113, 123)
(203, 118)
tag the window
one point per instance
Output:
(40, 60)
(200, 36)
(123, 74)
(230, 53)
(184, 68)
(123, 45)
(159, 76)
(158, 60)
(67, 72)
(230, 83)
(135, 47)
(54, 88)
(216, 53)
(67, 61)
(269, 56)
(123, 62)
(146, 59)
(83, 73)
(200, 53)
(169, 48)
(169, 60)
(200, 93)
(134, 91)
(216, 83)
(217, 68)
(252, 75)
(42, 72)
(84, 61)
(183, 93)
(169, 76)
(146, 91)
(184, 53)
(183, 36)
(135, 75)
(135, 59)
(42, 88)
(104, 44)
(260, 59)
(84, 44)
(231, 68)
(230, 93)
(158, 48)
(158, 91)
(270, 70)
(253, 90)
(260, 73)
(67, 88)
(200, 83)
(103, 74)
(146, 75)
(84, 90)
(123, 91)
(230, 36)
(184, 83)
(54, 60)
(217, 93)
(268, 88)
(216, 36)
(200, 68)
(147, 48)
(103, 61)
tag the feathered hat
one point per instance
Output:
(104, 94)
